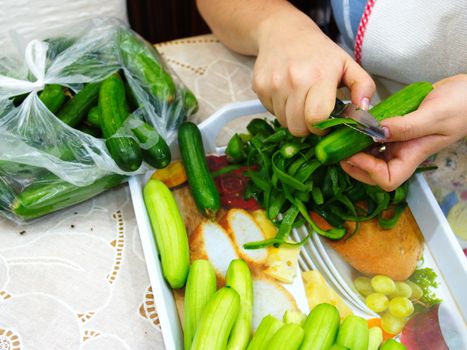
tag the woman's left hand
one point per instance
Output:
(440, 121)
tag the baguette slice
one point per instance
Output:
(242, 228)
(270, 298)
(210, 241)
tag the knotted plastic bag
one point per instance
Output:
(36, 146)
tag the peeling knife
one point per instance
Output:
(365, 122)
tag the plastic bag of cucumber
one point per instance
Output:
(81, 112)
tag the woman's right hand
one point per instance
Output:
(298, 71)
(298, 68)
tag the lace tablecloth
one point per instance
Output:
(77, 279)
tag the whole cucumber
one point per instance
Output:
(353, 333)
(217, 320)
(75, 110)
(391, 344)
(268, 326)
(288, 337)
(321, 327)
(113, 112)
(202, 185)
(144, 64)
(53, 96)
(238, 277)
(52, 193)
(169, 232)
(200, 287)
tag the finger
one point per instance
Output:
(387, 175)
(260, 86)
(294, 111)
(278, 105)
(413, 125)
(361, 85)
(357, 173)
(319, 103)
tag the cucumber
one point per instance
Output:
(144, 63)
(76, 109)
(158, 155)
(169, 231)
(391, 344)
(202, 185)
(200, 287)
(321, 327)
(288, 337)
(345, 142)
(267, 328)
(238, 277)
(93, 118)
(113, 111)
(353, 333)
(51, 193)
(53, 96)
(216, 321)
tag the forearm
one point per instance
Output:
(242, 24)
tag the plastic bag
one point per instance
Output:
(36, 146)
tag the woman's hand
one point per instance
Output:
(299, 69)
(440, 121)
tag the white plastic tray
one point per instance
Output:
(440, 241)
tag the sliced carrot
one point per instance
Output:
(172, 175)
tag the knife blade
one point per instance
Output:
(365, 122)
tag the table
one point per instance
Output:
(77, 279)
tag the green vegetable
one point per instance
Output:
(200, 287)
(425, 278)
(294, 316)
(375, 338)
(144, 64)
(51, 193)
(321, 327)
(391, 344)
(75, 110)
(158, 154)
(217, 320)
(202, 186)
(113, 112)
(169, 231)
(235, 150)
(259, 127)
(345, 142)
(53, 96)
(288, 337)
(190, 103)
(238, 277)
(268, 326)
(353, 333)
(93, 118)
(338, 347)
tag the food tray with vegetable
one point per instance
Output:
(340, 290)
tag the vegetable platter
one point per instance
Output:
(330, 271)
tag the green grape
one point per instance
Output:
(402, 290)
(417, 292)
(392, 324)
(400, 307)
(377, 302)
(363, 285)
(383, 284)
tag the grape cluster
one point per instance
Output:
(393, 300)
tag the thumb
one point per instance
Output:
(410, 126)
(360, 84)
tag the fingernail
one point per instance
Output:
(365, 103)
(350, 163)
(387, 134)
